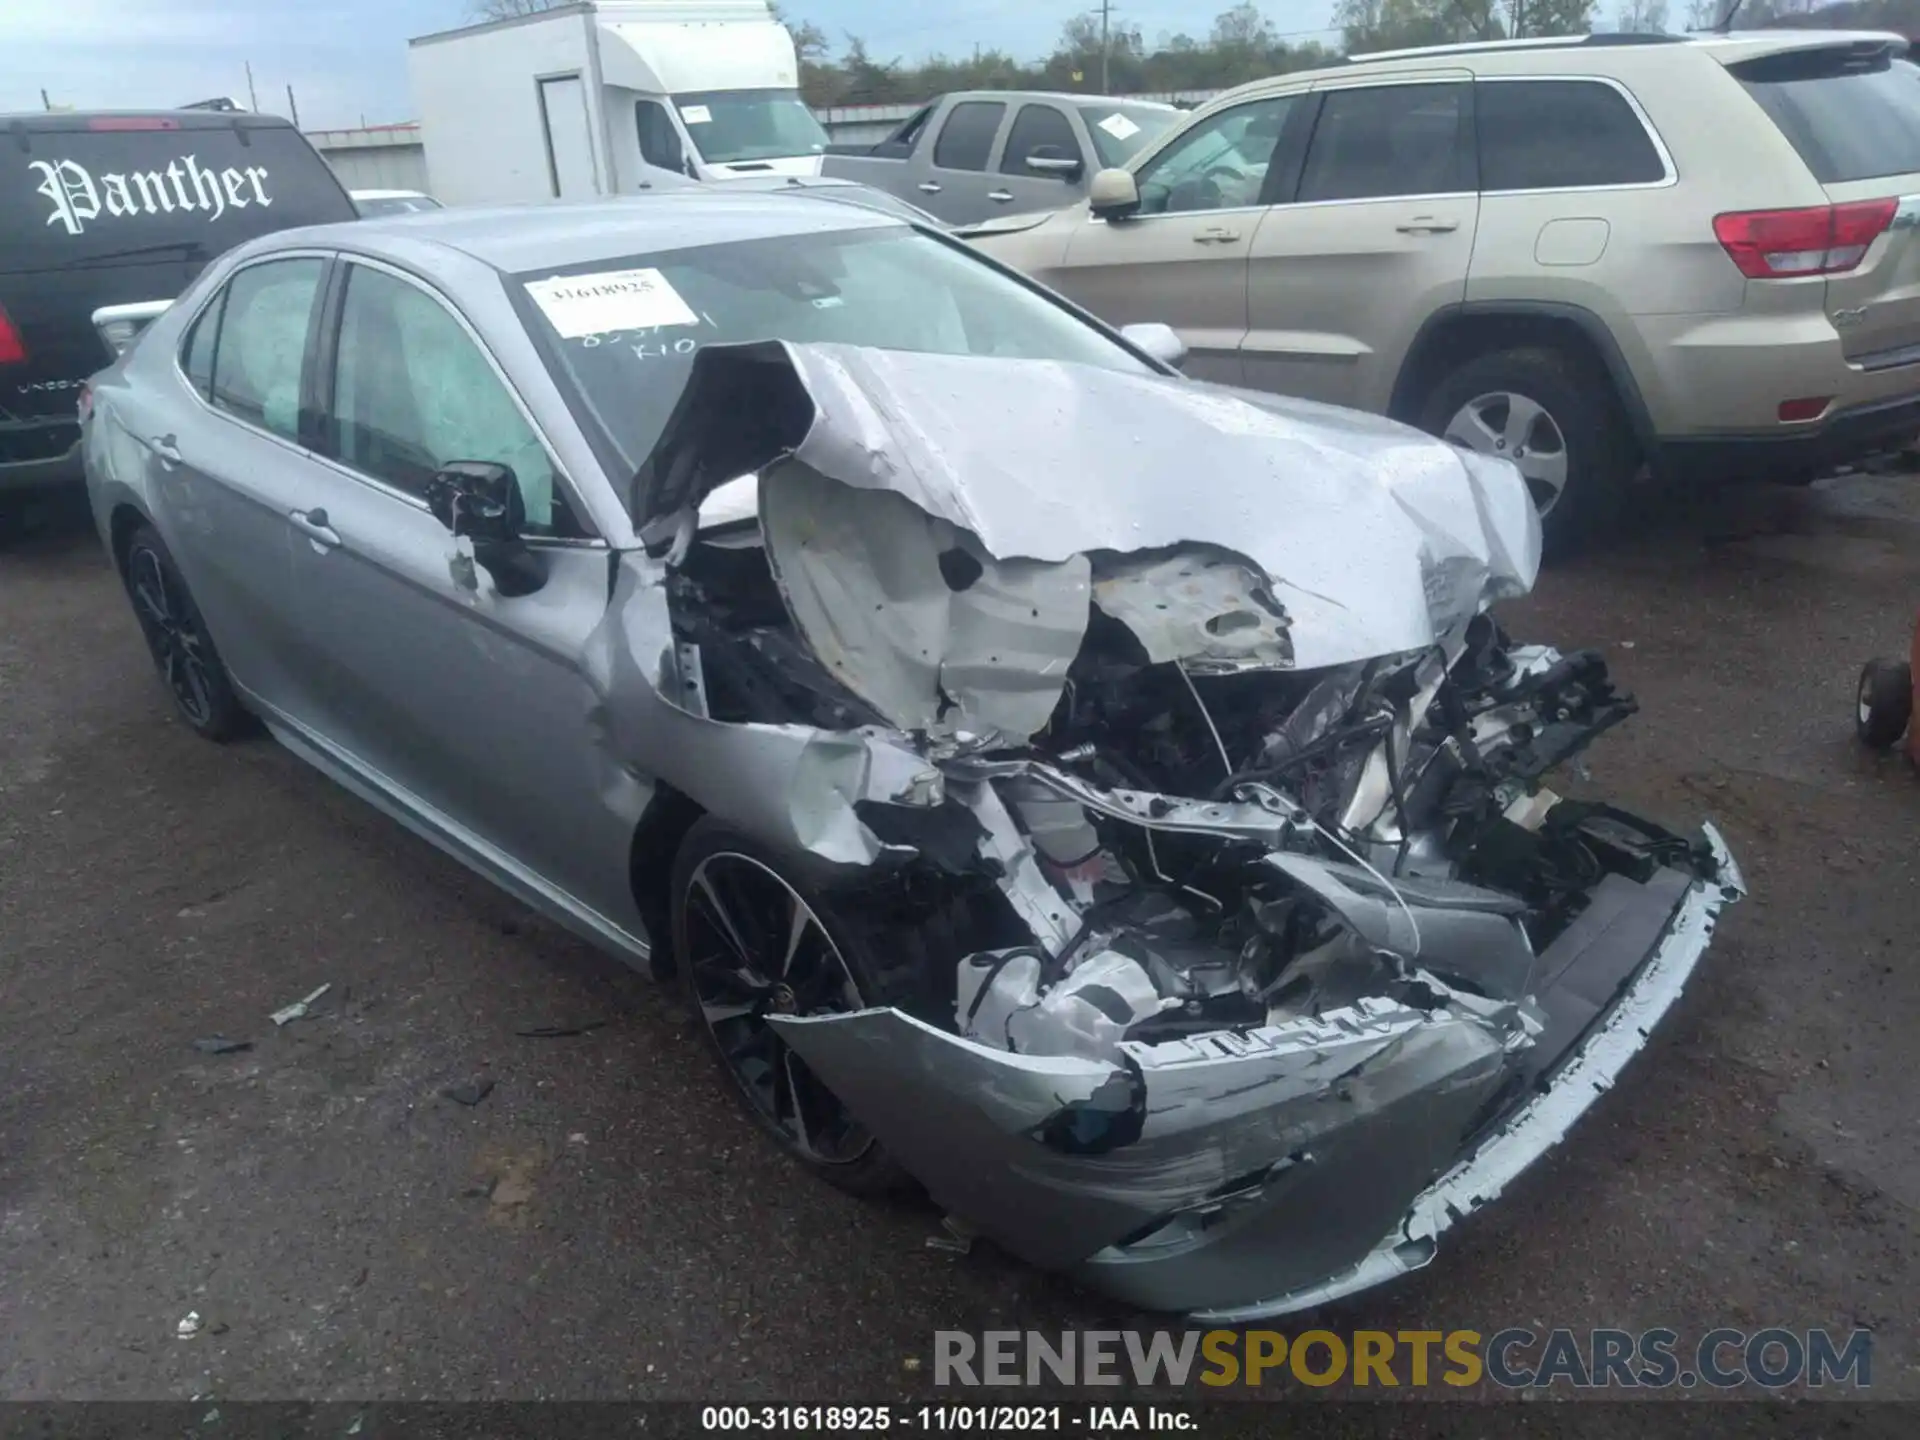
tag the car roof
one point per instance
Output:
(389, 194)
(516, 239)
(1496, 56)
(57, 120)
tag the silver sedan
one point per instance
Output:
(1104, 800)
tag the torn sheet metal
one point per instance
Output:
(1000, 1002)
(1377, 538)
(1268, 824)
(1477, 1178)
(792, 786)
(908, 613)
(1212, 612)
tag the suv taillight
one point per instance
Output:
(1822, 240)
(13, 349)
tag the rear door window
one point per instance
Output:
(966, 140)
(100, 196)
(1391, 140)
(196, 353)
(1560, 135)
(262, 342)
(1852, 112)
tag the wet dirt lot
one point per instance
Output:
(603, 1224)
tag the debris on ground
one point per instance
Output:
(470, 1092)
(221, 1045)
(189, 1325)
(300, 1008)
(560, 1031)
(957, 1239)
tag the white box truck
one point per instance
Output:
(583, 99)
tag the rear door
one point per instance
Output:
(1852, 112)
(1029, 168)
(227, 452)
(1182, 258)
(1376, 235)
(105, 210)
(956, 177)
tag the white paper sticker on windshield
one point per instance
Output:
(1119, 126)
(581, 305)
(696, 114)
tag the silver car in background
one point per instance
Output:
(1098, 797)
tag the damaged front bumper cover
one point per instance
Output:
(1239, 1176)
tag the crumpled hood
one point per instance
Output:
(938, 525)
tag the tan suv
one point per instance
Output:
(1695, 253)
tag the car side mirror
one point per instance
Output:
(1052, 160)
(1113, 195)
(481, 500)
(1162, 342)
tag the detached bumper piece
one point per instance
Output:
(1242, 1175)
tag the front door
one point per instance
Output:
(1376, 237)
(473, 707)
(1182, 259)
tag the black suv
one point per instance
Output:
(113, 208)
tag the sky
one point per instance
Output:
(346, 59)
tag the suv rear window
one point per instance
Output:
(1560, 135)
(1852, 112)
(185, 192)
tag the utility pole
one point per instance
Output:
(253, 100)
(1106, 48)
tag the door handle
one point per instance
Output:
(1216, 235)
(313, 524)
(1001, 195)
(1428, 225)
(927, 187)
(167, 448)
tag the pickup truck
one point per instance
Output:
(978, 153)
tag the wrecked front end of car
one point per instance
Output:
(1174, 726)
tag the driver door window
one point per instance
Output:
(1220, 164)
(414, 391)
(659, 141)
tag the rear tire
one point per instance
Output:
(176, 634)
(738, 907)
(1555, 416)
(1884, 703)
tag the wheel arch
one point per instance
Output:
(1460, 333)
(124, 520)
(669, 815)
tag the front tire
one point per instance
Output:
(1884, 703)
(176, 634)
(753, 938)
(1555, 416)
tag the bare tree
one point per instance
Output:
(1642, 17)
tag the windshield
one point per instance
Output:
(1120, 131)
(888, 287)
(728, 126)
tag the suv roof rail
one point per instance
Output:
(1536, 42)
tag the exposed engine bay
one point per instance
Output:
(1238, 945)
(1231, 848)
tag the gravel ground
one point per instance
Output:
(604, 1225)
